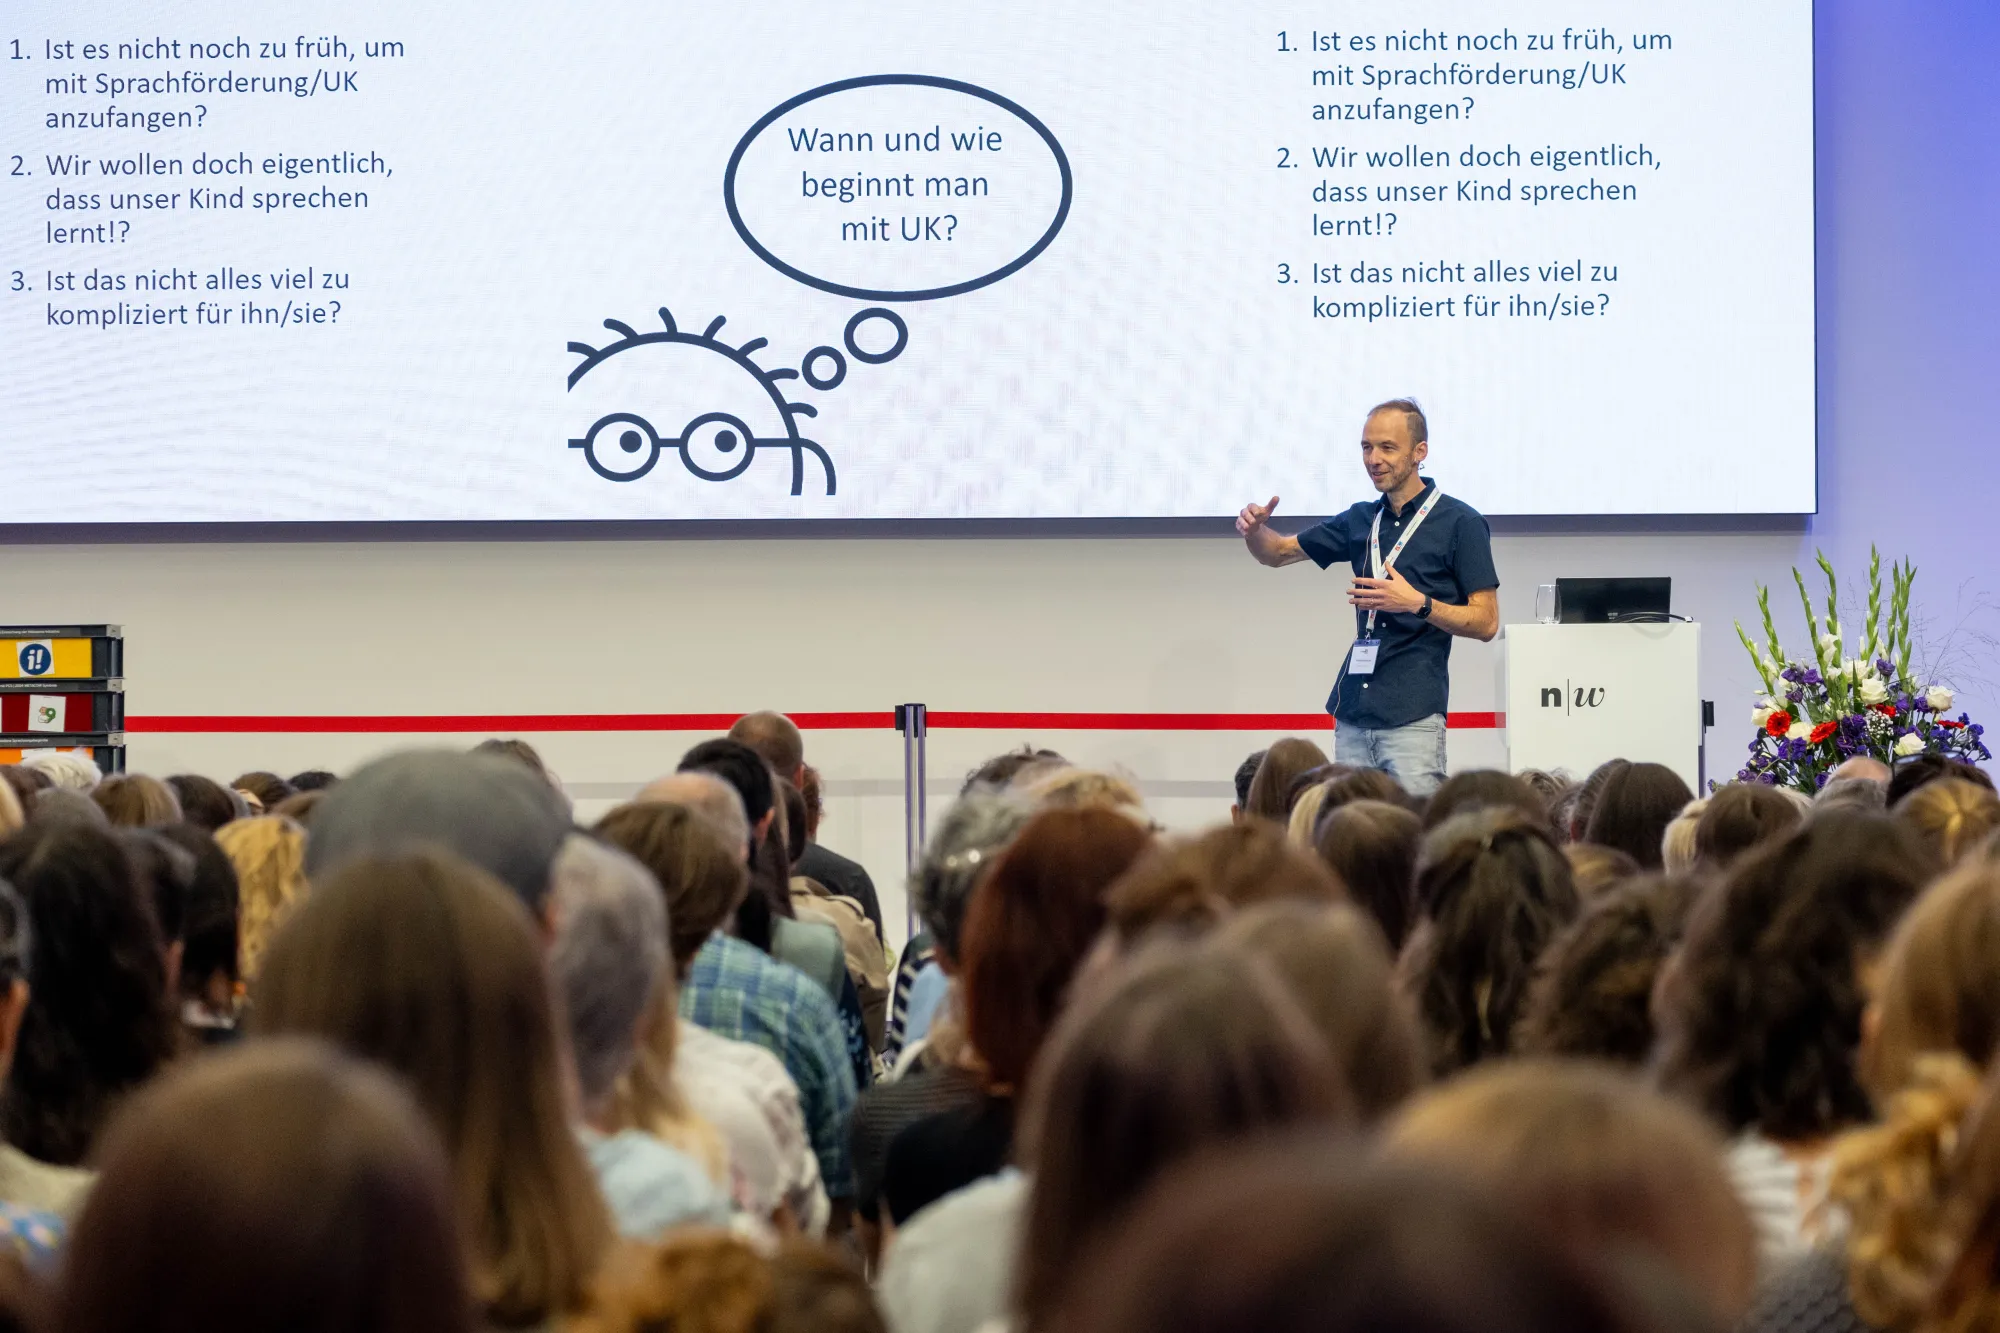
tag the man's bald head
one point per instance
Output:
(776, 740)
(1861, 766)
(708, 796)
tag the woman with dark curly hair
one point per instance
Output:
(1492, 891)
(1593, 988)
(1760, 1018)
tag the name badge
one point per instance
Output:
(1361, 662)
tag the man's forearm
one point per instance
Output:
(1276, 551)
(1467, 622)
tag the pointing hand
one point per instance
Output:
(1254, 516)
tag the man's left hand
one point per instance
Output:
(1393, 593)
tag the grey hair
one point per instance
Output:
(1863, 793)
(967, 840)
(609, 955)
(71, 772)
(718, 803)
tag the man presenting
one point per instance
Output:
(1423, 567)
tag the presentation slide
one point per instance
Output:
(795, 260)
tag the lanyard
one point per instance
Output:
(1377, 564)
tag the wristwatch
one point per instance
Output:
(1424, 611)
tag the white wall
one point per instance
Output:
(1169, 624)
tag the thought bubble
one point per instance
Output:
(898, 187)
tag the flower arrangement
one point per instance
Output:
(1818, 712)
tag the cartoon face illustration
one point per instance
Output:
(691, 393)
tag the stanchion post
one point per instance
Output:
(912, 720)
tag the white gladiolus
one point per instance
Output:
(1831, 641)
(1873, 691)
(1910, 744)
(1759, 716)
(1938, 698)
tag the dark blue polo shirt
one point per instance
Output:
(1449, 559)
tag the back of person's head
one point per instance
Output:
(486, 810)
(708, 796)
(206, 803)
(65, 805)
(1938, 986)
(1597, 869)
(269, 855)
(964, 846)
(1924, 769)
(71, 772)
(1246, 773)
(1957, 1247)
(1371, 846)
(1593, 988)
(1802, 916)
(1332, 959)
(707, 1281)
(1677, 850)
(1739, 817)
(608, 960)
(1587, 794)
(1001, 770)
(1551, 787)
(135, 800)
(775, 738)
(1271, 789)
(24, 781)
(273, 1188)
(1031, 922)
(313, 779)
(1067, 787)
(516, 751)
(701, 876)
(300, 807)
(793, 801)
(166, 876)
(1300, 1236)
(1363, 784)
(1633, 809)
(430, 966)
(1859, 793)
(211, 933)
(1951, 815)
(268, 788)
(12, 816)
(1483, 789)
(1605, 1165)
(1493, 890)
(742, 768)
(99, 1024)
(1181, 1051)
(1189, 884)
(1304, 819)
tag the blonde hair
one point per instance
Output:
(1940, 981)
(1893, 1180)
(1677, 843)
(1952, 815)
(269, 853)
(134, 800)
(649, 1099)
(1304, 821)
(1599, 1158)
(1085, 788)
(11, 816)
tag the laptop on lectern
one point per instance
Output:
(1612, 601)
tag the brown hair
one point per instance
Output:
(1271, 789)
(276, 1187)
(1951, 815)
(1299, 1236)
(1634, 807)
(1363, 784)
(1597, 869)
(1800, 916)
(704, 1281)
(430, 966)
(1184, 1050)
(1192, 883)
(1029, 925)
(1332, 960)
(1599, 1160)
(1939, 986)
(1739, 817)
(269, 853)
(1494, 890)
(1593, 988)
(703, 877)
(1484, 789)
(1371, 847)
(135, 800)
(268, 788)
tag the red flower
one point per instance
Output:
(1822, 731)
(1778, 723)
(1951, 726)
(1886, 710)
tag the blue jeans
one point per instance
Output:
(1412, 754)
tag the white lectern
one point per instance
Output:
(1578, 695)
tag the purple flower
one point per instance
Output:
(1794, 696)
(1811, 676)
(1792, 674)
(1885, 666)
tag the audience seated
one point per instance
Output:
(1349, 1060)
(1492, 891)
(1372, 846)
(1760, 1017)
(428, 965)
